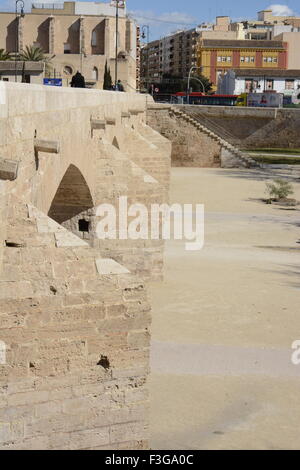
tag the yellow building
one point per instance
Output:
(215, 56)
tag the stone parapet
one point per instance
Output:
(74, 312)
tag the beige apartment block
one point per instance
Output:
(174, 54)
(222, 23)
(76, 36)
(292, 39)
(265, 27)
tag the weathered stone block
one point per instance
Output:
(47, 146)
(98, 124)
(8, 169)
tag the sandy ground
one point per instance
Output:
(225, 318)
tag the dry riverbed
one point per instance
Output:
(225, 318)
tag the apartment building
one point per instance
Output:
(174, 55)
(267, 42)
(77, 36)
(265, 27)
(215, 57)
(292, 39)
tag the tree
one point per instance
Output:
(197, 83)
(4, 55)
(33, 54)
(107, 82)
(171, 84)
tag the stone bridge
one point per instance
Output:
(74, 314)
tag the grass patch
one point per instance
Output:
(271, 159)
(287, 151)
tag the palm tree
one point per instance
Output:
(4, 55)
(33, 54)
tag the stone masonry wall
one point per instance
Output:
(251, 127)
(74, 313)
(190, 146)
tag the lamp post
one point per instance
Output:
(22, 14)
(189, 79)
(146, 36)
(82, 56)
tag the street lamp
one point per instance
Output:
(22, 14)
(189, 79)
(82, 56)
(146, 28)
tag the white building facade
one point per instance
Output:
(235, 82)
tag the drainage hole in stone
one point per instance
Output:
(83, 225)
(104, 362)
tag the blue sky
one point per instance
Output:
(166, 16)
(195, 11)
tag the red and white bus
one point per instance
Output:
(202, 99)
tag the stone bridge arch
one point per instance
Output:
(73, 202)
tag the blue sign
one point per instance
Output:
(53, 81)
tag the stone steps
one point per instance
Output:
(242, 157)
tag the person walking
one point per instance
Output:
(120, 86)
(78, 81)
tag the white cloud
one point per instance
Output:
(281, 10)
(165, 23)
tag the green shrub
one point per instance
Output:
(279, 189)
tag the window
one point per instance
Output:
(68, 70)
(270, 84)
(275, 60)
(224, 59)
(290, 84)
(67, 48)
(247, 59)
(248, 85)
(95, 74)
(251, 85)
(270, 60)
